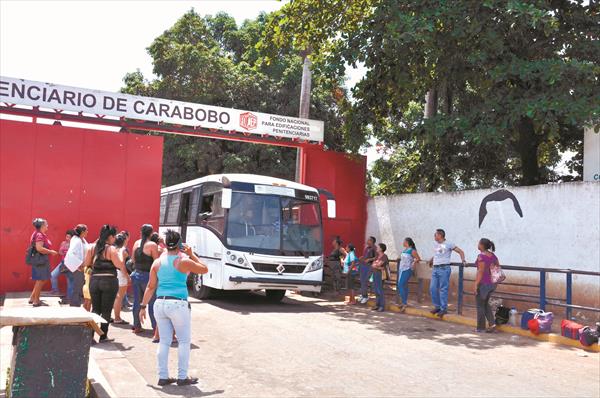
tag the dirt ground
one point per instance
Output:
(243, 346)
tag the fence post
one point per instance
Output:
(569, 293)
(460, 288)
(543, 290)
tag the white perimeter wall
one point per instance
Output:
(560, 227)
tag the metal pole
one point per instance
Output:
(461, 271)
(304, 101)
(543, 290)
(569, 293)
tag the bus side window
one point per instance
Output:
(163, 208)
(194, 206)
(211, 204)
(173, 209)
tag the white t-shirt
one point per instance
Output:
(442, 252)
(76, 253)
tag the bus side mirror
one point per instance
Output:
(330, 208)
(226, 198)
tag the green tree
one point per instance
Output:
(510, 84)
(211, 60)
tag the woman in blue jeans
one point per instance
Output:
(144, 253)
(379, 265)
(168, 277)
(406, 267)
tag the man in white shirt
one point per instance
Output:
(440, 276)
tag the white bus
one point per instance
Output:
(253, 232)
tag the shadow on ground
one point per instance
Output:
(412, 327)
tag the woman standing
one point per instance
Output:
(379, 265)
(122, 277)
(168, 277)
(40, 273)
(406, 268)
(105, 260)
(485, 287)
(350, 270)
(144, 253)
(74, 261)
(334, 263)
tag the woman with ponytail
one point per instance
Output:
(406, 267)
(484, 285)
(105, 260)
(145, 251)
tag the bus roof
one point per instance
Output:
(249, 178)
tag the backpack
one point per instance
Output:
(588, 336)
(502, 315)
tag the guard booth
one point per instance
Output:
(55, 163)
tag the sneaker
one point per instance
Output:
(187, 381)
(491, 329)
(364, 300)
(435, 311)
(375, 309)
(380, 309)
(479, 331)
(166, 382)
(441, 313)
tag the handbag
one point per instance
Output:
(35, 258)
(544, 320)
(496, 273)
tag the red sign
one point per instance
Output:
(248, 121)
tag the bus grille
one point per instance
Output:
(289, 268)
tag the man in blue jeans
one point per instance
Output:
(440, 276)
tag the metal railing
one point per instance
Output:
(541, 298)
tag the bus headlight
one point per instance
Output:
(316, 265)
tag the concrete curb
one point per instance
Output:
(461, 320)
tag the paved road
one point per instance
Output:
(243, 346)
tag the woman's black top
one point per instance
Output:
(143, 262)
(335, 255)
(103, 266)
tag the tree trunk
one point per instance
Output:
(528, 145)
(431, 100)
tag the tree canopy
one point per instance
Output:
(509, 84)
(211, 60)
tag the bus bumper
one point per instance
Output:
(257, 283)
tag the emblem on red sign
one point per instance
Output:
(248, 121)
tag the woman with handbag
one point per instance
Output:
(484, 285)
(40, 249)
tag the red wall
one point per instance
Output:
(69, 176)
(345, 177)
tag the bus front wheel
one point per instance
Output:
(199, 289)
(275, 296)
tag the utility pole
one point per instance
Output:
(304, 100)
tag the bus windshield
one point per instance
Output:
(272, 224)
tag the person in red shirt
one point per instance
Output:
(40, 273)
